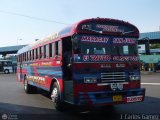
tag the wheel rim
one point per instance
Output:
(6, 71)
(25, 84)
(54, 95)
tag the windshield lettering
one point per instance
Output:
(124, 40)
(125, 58)
(109, 28)
(100, 57)
(94, 39)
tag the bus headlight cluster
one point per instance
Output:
(134, 77)
(90, 80)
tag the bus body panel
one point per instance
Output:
(101, 92)
(41, 73)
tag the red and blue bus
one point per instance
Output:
(94, 62)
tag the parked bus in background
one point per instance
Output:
(6, 66)
(91, 63)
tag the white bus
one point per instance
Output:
(6, 66)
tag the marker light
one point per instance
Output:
(134, 77)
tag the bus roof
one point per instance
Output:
(72, 29)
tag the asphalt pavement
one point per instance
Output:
(16, 105)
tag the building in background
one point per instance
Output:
(149, 50)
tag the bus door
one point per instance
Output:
(67, 68)
(19, 69)
(20, 72)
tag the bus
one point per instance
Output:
(93, 62)
(6, 66)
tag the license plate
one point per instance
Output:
(117, 98)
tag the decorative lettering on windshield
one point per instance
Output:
(125, 58)
(108, 40)
(94, 39)
(124, 40)
(94, 58)
(100, 57)
(109, 28)
(104, 58)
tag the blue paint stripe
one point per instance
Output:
(49, 72)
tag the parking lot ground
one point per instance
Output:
(16, 104)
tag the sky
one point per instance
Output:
(23, 21)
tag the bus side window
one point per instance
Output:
(58, 48)
(28, 56)
(47, 51)
(22, 57)
(25, 59)
(36, 53)
(40, 52)
(50, 50)
(53, 49)
(33, 54)
(44, 51)
(19, 58)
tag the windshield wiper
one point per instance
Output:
(127, 32)
(100, 32)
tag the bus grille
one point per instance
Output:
(113, 77)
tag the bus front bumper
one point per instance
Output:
(102, 98)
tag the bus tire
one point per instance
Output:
(55, 96)
(6, 71)
(29, 89)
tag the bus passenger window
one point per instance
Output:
(36, 53)
(30, 55)
(58, 48)
(50, 50)
(47, 51)
(53, 49)
(40, 52)
(23, 57)
(33, 54)
(44, 51)
(26, 56)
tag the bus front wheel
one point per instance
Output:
(55, 96)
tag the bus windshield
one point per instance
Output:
(109, 49)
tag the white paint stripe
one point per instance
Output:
(150, 83)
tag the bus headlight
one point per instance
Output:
(134, 77)
(90, 80)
